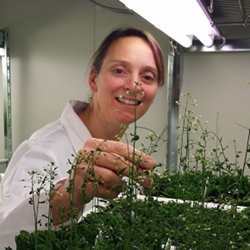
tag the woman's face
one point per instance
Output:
(127, 83)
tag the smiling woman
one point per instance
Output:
(126, 72)
(124, 78)
(127, 79)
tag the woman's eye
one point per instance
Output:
(149, 77)
(118, 71)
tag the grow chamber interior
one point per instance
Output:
(48, 38)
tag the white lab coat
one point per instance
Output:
(55, 143)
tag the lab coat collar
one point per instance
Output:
(77, 131)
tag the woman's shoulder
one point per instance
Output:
(48, 144)
(49, 132)
(44, 141)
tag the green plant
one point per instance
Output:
(205, 174)
(40, 192)
(184, 226)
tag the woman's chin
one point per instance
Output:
(126, 121)
(127, 118)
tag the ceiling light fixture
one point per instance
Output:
(182, 20)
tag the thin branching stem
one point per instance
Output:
(246, 153)
(183, 129)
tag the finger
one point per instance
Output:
(98, 175)
(93, 189)
(103, 192)
(108, 178)
(127, 151)
(114, 162)
(97, 181)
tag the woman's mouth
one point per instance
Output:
(128, 101)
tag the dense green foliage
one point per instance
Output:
(204, 186)
(148, 225)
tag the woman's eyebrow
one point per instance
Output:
(127, 63)
(119, 61)
(150, 68)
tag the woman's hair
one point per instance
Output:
(101, 52)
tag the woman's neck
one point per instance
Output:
(100, 128)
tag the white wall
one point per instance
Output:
(50, 45)
(221, 84)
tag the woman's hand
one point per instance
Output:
(104, 164)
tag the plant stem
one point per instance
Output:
(246, 152)
(183, 131)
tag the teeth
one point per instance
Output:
(124, 100)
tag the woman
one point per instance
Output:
(125, 75)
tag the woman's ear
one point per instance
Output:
(92, 80)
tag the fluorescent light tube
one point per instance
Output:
(182, 20)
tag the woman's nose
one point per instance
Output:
(134, 88)
(133, 79)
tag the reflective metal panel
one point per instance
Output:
(175, 73)
(6, 96)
